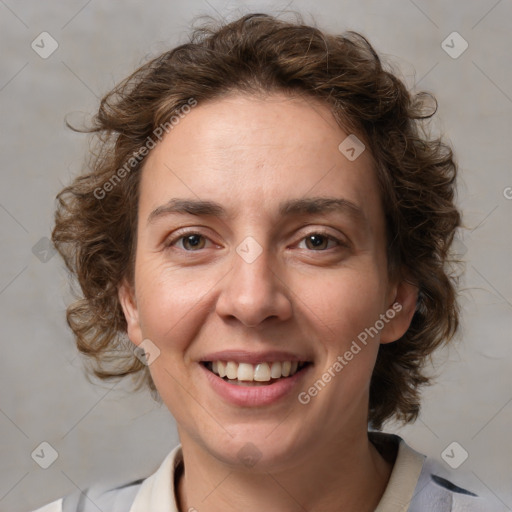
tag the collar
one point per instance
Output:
(157, 492)
(405, 474)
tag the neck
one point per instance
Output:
(351, 472)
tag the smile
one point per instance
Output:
(254, 374)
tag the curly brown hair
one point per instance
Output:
(96, 215)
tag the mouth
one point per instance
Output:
(260, 374)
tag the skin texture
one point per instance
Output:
(250, 154)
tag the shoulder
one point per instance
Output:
(123, 498)
(54, 506)
(97, 497)
(420, 484)
(435, 490)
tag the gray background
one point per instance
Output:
(105, 433)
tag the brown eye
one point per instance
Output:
(188, 241)
(192, 242)
(318, 241)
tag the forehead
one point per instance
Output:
(249, 153)
(264, 127)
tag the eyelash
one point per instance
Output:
(182, 235)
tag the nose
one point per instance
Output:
(253, 291)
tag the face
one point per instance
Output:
(261, 252)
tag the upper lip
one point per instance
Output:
(244, 356)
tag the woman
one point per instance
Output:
(269, 225)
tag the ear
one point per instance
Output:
(400, 311)
(126, 295)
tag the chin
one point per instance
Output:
(255, 450)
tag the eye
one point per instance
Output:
(316, 241)
(319, 241)
(190, 242)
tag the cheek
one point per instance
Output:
(345, 312)
(342, 303)
(172, 311)
(172, 303)
(339, 307)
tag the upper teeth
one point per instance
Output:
(260, 372)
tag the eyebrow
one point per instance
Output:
(303, 206)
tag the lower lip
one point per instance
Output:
(254, 396)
